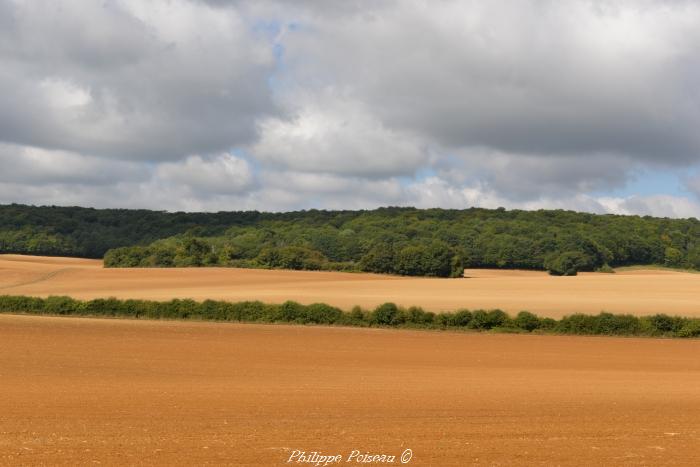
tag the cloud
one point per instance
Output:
(273, 105)
(528, 176)
(36, 166)
(338, 137)
(222, 174)
(655, 205)
(543, 78)
(154, 80)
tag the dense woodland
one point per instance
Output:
(407, 241)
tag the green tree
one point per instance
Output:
(673, 257)
(193, 252)
(567, 263)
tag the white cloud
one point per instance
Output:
(654, 205)
(64, 95)
(221, 174)
(341, 137)
(36, 166)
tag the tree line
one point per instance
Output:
(407, 241)
(385, 315)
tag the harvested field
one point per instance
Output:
(640, 292)
(79, 391)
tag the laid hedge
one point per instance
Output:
(385, 315)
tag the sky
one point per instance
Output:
(275, 105)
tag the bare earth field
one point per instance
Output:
(79, 391)
(640, 292)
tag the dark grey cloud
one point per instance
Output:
(545, 78)
(161, 80)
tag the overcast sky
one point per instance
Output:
(280, 105)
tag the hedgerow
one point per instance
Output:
(385, 315)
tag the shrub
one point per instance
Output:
(566, 264)
(434, 259)
(321, 313)
(104, 306)
(576, 324)
(193, 252)
(547, 323)
(291, 257)
(379, 258)
(672, 257)
(291, 311)
(23, 304)
(617, 325)
(604, 323)
(269, 313)
(527, 321)
(417, 315)
(487, 320)
(247, 311)
(606, 269)
(212, 310)
(357, 316)
(62, 305)
(690, 329)
(385, 314)
(664, 324)
(442, 320)
(460, 318)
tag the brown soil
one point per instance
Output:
(117, 392)
(639, 292)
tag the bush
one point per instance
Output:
(488, 319)
(604, 323)
(247, 311)
(568, 263)
(385, 315)
(434, 259)
(291, 311)
(690, 329)
(606, 269)
(461, 318)
(21, 304)
(320, 313)
(548, 324)
(576, 324)
(292, 257)
(194, 252)
(417, 315)
(664, 324)
(379, 258)
(357, 316)
(527, 321)
(62, 305)
(617, 325)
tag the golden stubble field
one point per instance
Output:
(638, 292)
(82, 391)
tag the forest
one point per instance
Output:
(392, 240)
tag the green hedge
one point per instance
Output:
(385, 315)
